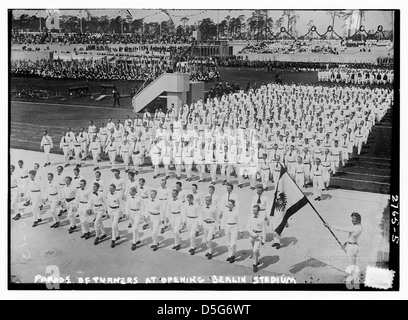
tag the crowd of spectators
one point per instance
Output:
(293, 46)
(130, 69)
(244, 62)
(92, 69)
(357, 76)
(144, 49)
(95, 38)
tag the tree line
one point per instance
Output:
(258, 26)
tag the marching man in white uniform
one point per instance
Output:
(54, 198)
(15, 192)
(265, 171)
(114, 205)
(95, 149)
(317, 176)
(137, 153)
(69, 195)
(163, 194)
(134, 208)
(22, 174)
(192, 216)
(210, 219)
(46, 145)
(111, 150)
(166, 156)
(300, 173)
(34, 190)
(82, 207)
(64, 146)
(98, 207)
(328, 167)
(77, 149)
(230, 225)
(84, 139)
(152, 213)
(155, 157)
(174, 213)
(256, 227)
(125, 150)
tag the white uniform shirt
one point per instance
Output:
(69, 192)
(113, 201)
(135, 204)
(53, 189)
(152, 207)
(209, 213)
(97, 201)
(34, 185)
(119, 183)
(46, 140)
(231, 217)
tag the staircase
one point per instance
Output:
(371, 170)
(172, 83)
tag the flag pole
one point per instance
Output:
(321, 218)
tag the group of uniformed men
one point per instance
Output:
(309, 130)
(70, 194)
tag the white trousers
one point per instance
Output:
(175, 222)
(99, 227)
(47, 150)
(35, 200)
(318, 186)
(192, 225)
(231, 233)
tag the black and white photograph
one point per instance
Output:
(203, 149)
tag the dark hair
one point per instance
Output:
(179, 184)
(357, 216)
(257, 206)
(194, 185)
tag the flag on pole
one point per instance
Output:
(353, 21)
(288, 200)
(126, 14)
(52, 12)
(88, 15)
(129, 16)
